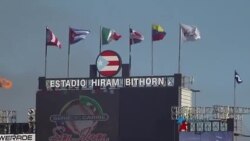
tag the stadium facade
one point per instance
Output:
(109, 108)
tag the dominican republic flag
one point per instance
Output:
(135, 37)
(75, 35)
(51, 39)
(108, 63)
(189, 33)
(237, 77)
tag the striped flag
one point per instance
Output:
(135, 37)
(108, 63)
(51, 39)
(76, 35)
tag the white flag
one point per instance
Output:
(189, 33)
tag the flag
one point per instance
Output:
(51, 39)
(5, 83)
(189, 33)
(109, 35)
(158, 33)
(237, 77)
(108, 63)
(135, 37)
(180, 120)
(183, 126)
(75, 35)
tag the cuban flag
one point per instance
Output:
(237, 77)
(108, 63)
(76, 35)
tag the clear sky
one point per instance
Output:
(224, 44)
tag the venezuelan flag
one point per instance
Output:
(158, 33)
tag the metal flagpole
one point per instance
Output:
(100, 46)
(179, 57)
(130, 41)
(234, 92)
(235, 121)
(68, 54)
(45, 71)
(152, 53)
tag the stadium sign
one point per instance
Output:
(88, 83)
(17, 137)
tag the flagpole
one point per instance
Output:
(152, 53)
(100, 45)
(45, 71)
(179, 57)
(234, 104)
(68, 54)
(234, 93)
(129, 50)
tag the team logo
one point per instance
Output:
(108, 63)
(78, 119)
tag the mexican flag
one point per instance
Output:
(109, 35)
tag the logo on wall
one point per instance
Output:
(108, 63)
(183, 124)
(78, 119)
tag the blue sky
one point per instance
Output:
(224, 44)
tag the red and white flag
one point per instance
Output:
(51, 39)
(108, 63)
(135, 37)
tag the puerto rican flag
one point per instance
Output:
(51, 39)
(108, 63)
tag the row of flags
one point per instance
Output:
(188, 33)
(107, 35)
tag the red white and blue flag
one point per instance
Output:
(51, 39)
(135, 37)
(76, 35)
(108, 63)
